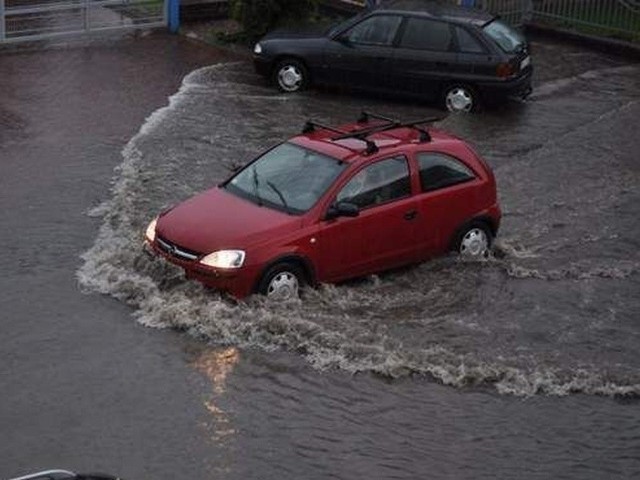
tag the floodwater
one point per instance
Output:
(523, 365)
(510, 367)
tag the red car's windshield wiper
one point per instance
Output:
(279, 193)
(256, 186)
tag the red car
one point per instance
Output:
(333, 204)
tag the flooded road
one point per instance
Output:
(521, 366)
(82, 387)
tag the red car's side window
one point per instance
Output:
(378, 183)
(438, 170)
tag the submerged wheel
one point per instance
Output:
(291, 75)
(460, 98)
(474, 241)
(283, 281)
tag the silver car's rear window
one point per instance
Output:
(507, 38)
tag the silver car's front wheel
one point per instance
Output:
(291, 76)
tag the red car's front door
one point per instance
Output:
(383, 235)
(379, 238)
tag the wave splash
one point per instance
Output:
(446, 319)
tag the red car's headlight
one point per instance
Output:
(150, 234)
(224, 259)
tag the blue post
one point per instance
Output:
(468, 3)
(2, 22)
(174, 15)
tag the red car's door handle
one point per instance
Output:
(411, 214)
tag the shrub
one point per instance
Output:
(259, 16)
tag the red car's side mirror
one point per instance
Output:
(342, 209)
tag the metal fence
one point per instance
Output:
(27, 20)
(620, 18)
(515, 12)
(41, 19)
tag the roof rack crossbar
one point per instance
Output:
(311, 126)
(390, 125)
(364, 117)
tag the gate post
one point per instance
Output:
(2, 21)
(85, 15)
(174, 15)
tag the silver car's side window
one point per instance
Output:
(467, 43)
(423, 34)
(376, 30)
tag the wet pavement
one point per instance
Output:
(522, 366)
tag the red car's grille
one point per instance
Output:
(177, 251)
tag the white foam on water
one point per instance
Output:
(576, 271)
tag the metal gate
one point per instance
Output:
(26, 20)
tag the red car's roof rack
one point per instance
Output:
(311, 126)
(363, 133)
(392, 124)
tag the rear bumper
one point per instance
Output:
(519, 87)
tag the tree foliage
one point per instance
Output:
(259, 16)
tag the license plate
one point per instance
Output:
(525, 63)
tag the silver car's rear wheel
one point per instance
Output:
(460, 98)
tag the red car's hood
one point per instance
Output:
(217, 219)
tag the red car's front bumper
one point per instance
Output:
(238, 282)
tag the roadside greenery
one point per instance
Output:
(259, 16)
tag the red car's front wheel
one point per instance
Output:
(283, 281)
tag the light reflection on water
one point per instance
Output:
(217, 365)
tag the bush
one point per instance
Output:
(259, 16)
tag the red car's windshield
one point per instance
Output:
(288, 178)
